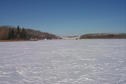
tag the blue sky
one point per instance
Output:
(65, 17)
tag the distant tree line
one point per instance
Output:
(17, 33)
(103, 36)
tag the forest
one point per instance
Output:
(17, 33)
(104, 36)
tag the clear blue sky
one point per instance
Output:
(65, 17)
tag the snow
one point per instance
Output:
(63, 62)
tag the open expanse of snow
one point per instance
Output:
(63, 62)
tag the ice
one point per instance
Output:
(63, 62)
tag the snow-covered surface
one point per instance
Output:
(63, 62)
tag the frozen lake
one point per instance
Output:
(63, 62)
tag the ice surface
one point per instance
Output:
(63, 62)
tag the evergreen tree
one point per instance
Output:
(12, 34)
(23, 34)
(18, 29)
(18, 32)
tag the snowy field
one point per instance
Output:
(63, 62)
